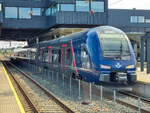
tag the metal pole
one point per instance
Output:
(70, 84)
(114, 101)
(142, 54)
(57, 76)
(46, 77)
(63, 81)
(52, 75)
(90, 92)
(139, 105)
(148, 54)
(79, 90)
(101, 99)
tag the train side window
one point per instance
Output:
(85, 58)
(68, 61)
(41, 55)
(59, 56)
(45, 56)
(50, 55)
(54, 56)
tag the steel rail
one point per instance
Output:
(34, 108)
(48, 93)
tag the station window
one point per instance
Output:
(133, 19)
(141, 19)
(82, 6)
(97, 6)
(36, 11)
(10, 12)
(55, 8)
(0, 6)
(24, 13)
(66, 7)
(147, 20)
(48, 12)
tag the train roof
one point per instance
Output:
(101, 29)
(65, 38)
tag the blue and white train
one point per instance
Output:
(99, 55)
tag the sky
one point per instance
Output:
(6, 44)
(129, 4)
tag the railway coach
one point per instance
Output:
(99, 55)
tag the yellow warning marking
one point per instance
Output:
(14, 92)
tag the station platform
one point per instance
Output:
(9, 101)
(143, 76)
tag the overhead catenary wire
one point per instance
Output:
(116, 2)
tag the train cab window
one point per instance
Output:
(85, 58)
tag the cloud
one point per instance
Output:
(130, 4)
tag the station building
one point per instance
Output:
(22, 19)
(135, 23)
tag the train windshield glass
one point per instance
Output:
(115, 46)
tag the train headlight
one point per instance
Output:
(130, 67)
(105, 67)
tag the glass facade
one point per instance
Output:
(66, 7)
(0, 6)
(24, 13)
(82, 6)
(133, 19)
(141, 19)
(138, 19)
(147, 20)
(10, 12)
(36, 11)
(55, 8)
(48, 12)
(97, 6)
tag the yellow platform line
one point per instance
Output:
(14, 92)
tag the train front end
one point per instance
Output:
(114, 56)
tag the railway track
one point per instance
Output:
(143, 101)
(118, 100)
(44, 101)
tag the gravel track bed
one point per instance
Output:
(133, 101)
(39, 98)
(63, 93)
(27, 107)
